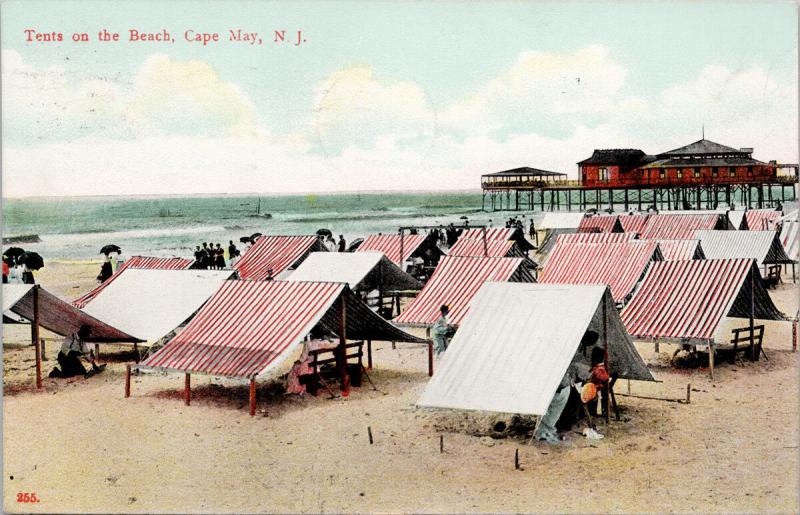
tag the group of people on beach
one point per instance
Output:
(332, 245)
(209, 257)
(16, 273)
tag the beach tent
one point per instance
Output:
(393, 245)
(454, 282)
(248, 328)
(790, 239)
(272, 255)
(57, 315)
(620, 265)
(498, 234)
(633, 223)
(678, 250)
(150, 304)
(491, 248)
(685, 301)
(137, 263)
(552, 221)
(682, 226)
(760, 220)
(600, 223)
(594, 237)
(362, 271)
(736, 218)
(763, 246)
(516, 343)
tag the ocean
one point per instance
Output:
(77, 227)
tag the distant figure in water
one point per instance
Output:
(342, 243)
(105, 271)
(220, 262)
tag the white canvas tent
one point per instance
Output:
(360, 270)
(517, 341)
(150, 304)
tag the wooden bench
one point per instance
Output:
(742, 335)
(317, 361)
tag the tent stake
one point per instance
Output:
(369, 434)
(689, 393)
(794, 335)
(35, 336)
(711, 360)
(441, 444)
(516, 459)
(252, 396)
(187, 391)
(127, 381)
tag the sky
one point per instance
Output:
(382, 95)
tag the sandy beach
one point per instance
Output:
(82, 447)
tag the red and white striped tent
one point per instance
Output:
(271, 255)
(633, 223)
(454, 282)
(681, 226)
(57, 315)
(790, 238)
(248, 328)
(390, 245)
(498, 234)
(619, 265)
(361, 271)
(594, 237)
(600, 223)
(137, 263)
(679, 250)
(685, 301)
(760, 220)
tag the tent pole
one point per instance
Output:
(607, 396)
(711, 359)
(485, 245)
(35, 336)
(430, 358)
(794, 335)
(96, 351)
(127, 380)
(753, 355)
(402, 234)
(369, 354)
(341, 361)
(252, 396)
(187, 389)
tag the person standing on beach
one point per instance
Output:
(105, 270)
(342, 244)
(442, 330)
(206, 255)
(198, 257)
(220, 257)
(232, 250)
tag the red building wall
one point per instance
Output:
(675, 176)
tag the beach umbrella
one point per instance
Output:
(355, 244)
(324, 232)
(245, 239)
(108, 249)
(32, 260)
(255, 236)
(463, 217)
(13, 253)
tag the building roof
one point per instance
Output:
(249, 327)
(620, 265)
(139, 263)
(626, 158)
(763, 246)
(359, 270)
(525, 171)
(515, 345)
(150, 304)
(390, 245)
(58, 316)
(681, 227)
(275, 254)
(703, 148)
(701, 161)
(688, 299)
(455, 281)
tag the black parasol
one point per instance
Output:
(255, 236)
(108, 249)
(355, 244)
(13, 253)
(32, 260)
(245, 239)
(325, 232)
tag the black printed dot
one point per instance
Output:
(11, 477)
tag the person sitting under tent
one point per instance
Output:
(442, 330)
(72, 350)
(299, 378)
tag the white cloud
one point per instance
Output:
(185, 130)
